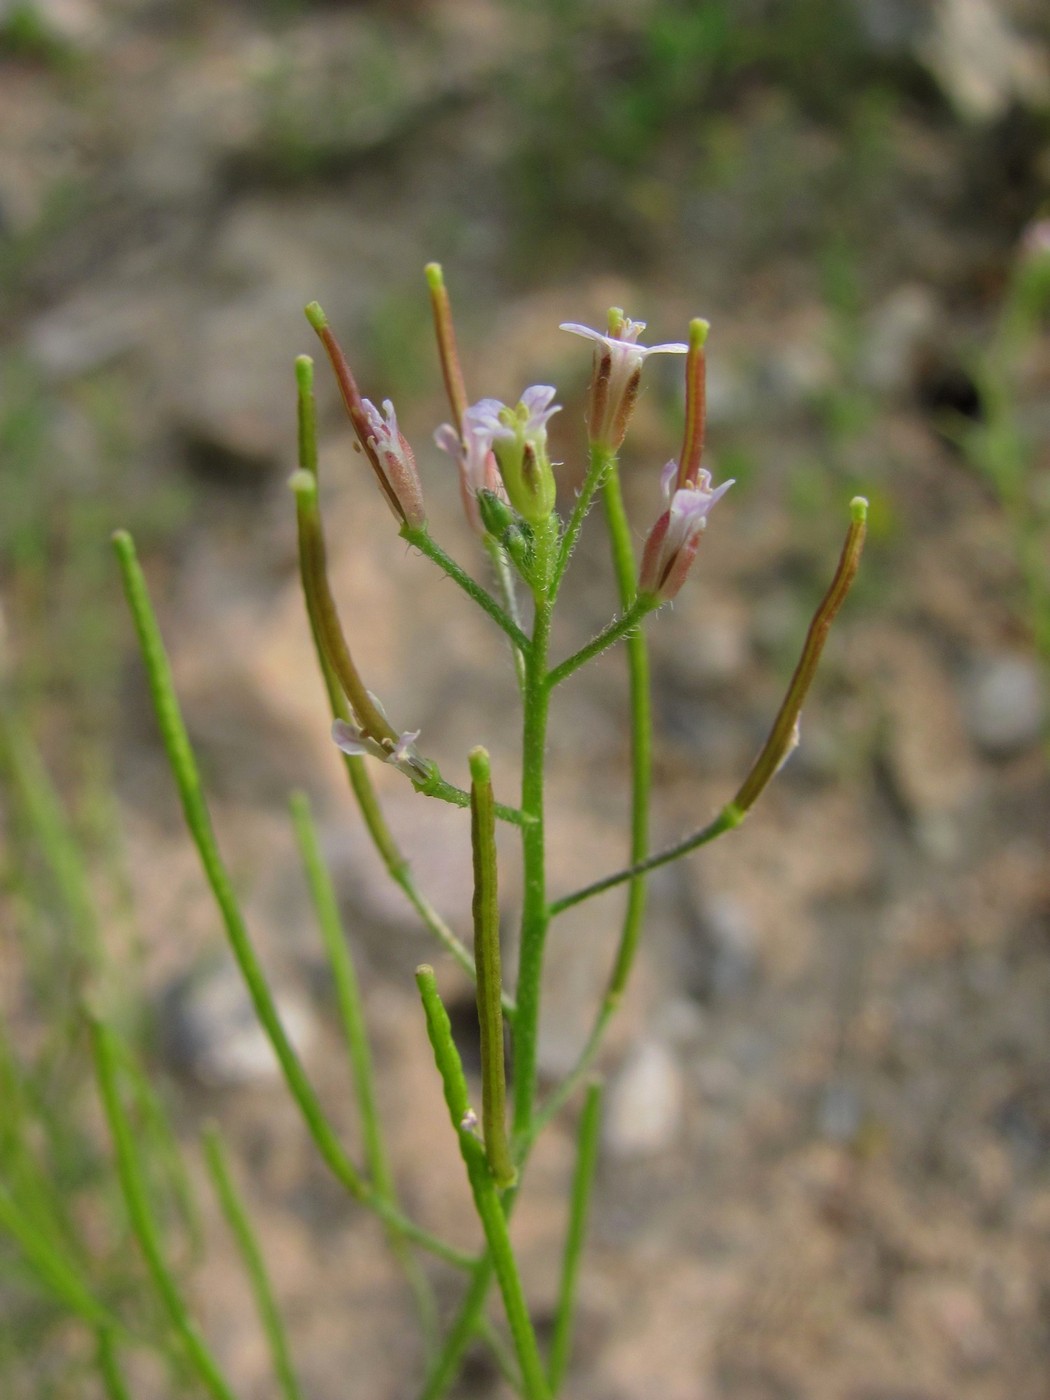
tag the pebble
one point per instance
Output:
(981, 61)
(1004, 704)
(210, 1030)
(900, 328)
(645, 1103)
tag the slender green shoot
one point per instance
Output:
(187, 778)
(347, 992)
(601, 459)
(195, 810)
(420, 539)
(140, 1214)
(623, 626)
(50, 1263)
(579, 1209)
(239, 1221)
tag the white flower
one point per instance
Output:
(401, 753)
(618, 360)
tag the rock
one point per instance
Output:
(734, 948)
(230, 395)
(93, 328)
(840, 1114)
(1004, 704)
(645, 1103)
(899, 329)
(929, 757)
(721, 951)
(210, 1030)
(982, 62)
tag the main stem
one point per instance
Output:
(535, 916)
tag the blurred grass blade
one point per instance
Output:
(109, 1366)
(49, 1265)
(351, 1013)
(582, 1183)
(237, 1218)
(47, 821)
(195, 809)
(144, 1226)
(162, 1146)
(187, 779)
(347, 990)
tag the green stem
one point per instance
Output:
(420, 539)
(505, 579)
(583, 1181)
(486, 1194)
(237, 1219)
(641, 782)
(435, 786)
(728, 818)
(488, 962)
(622, 626)
(351, 1013)
(601, 459)
(144, 1226)
(534, 914)
(195, 809)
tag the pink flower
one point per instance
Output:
(618, 360)
(675, 538)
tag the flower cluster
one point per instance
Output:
(507, 480)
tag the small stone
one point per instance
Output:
(839, 1112)
(981, 61)
(901, 327)
(734, 948)
(210, 1030)
(1004, 704)
(645, 1104)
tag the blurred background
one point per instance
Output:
(824, 1168)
